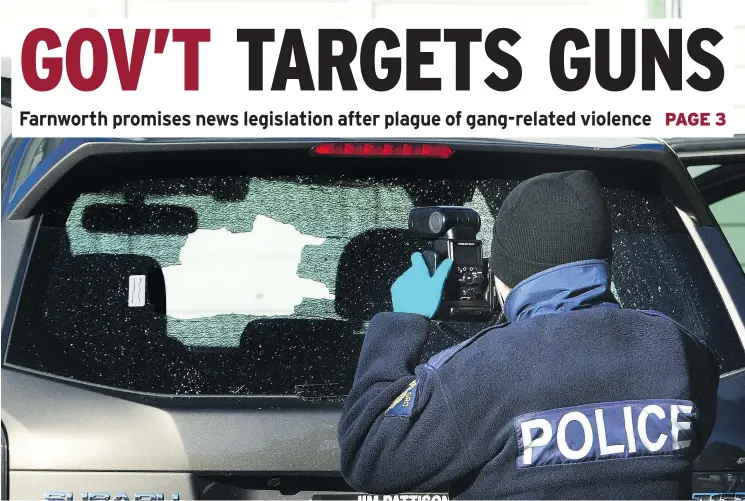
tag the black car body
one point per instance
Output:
(97, 398)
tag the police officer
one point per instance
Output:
(573, 397)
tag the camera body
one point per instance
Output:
(450, 232)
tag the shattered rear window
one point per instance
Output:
(265, 285)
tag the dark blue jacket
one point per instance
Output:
(575, 397)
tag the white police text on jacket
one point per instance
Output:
(608, 430)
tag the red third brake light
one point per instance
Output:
(384, 150)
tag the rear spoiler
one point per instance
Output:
(516, 156)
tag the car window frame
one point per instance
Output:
(10, 150)
(715, 190)
(739, 251)
(696, 250)
(36, 147)
(7, 138)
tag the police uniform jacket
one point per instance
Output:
(574, 397)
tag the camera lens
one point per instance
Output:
(468, 279)
(435, 222)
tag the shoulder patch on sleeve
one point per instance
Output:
(403, 405)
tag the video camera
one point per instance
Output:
(450, 232)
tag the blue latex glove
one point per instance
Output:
(416, 291)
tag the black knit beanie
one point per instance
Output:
(549, 220)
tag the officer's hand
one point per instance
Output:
(416, 291)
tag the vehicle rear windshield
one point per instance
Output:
(263, 284)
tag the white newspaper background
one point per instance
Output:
(223, 94)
